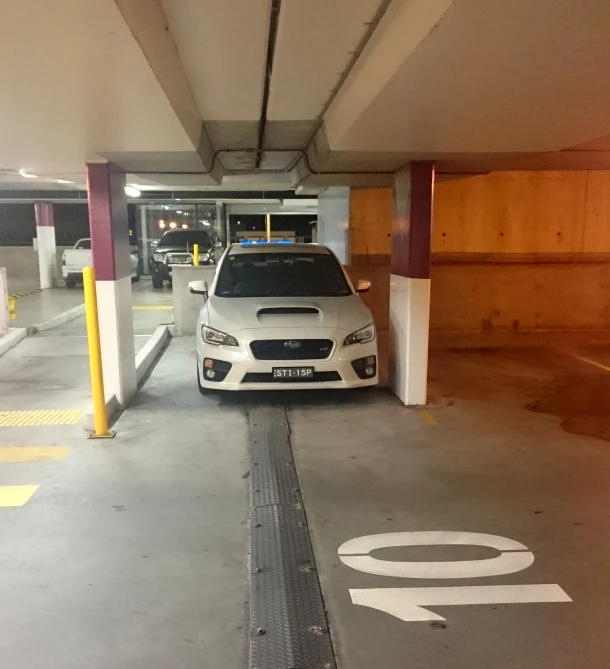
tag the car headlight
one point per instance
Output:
(158, 257)
(361, 336)
(204, 257)
(215, 337)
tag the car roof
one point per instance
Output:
(263, 247)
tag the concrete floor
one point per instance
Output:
(47, 304)
(484, 459)
(133, 553)
(21, 285)
(43, 306)
(128, 553)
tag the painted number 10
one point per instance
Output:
(408, 603)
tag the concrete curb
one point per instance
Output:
(150, 351)
(112, 406)
(55, 322)
(14, 336)
(144, 360)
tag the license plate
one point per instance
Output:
(293, 372)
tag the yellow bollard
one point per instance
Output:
(95, 358)
(268, 227)
(11, 308)
(196, 255)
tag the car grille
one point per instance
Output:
(292, 349)
(179, 259)
(318, 377)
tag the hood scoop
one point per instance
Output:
(286, 311)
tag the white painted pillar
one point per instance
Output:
(47, 250)
(144, 239)
(409, 326)
(5, 323)
(410, 282)
(333, 221)
(110, 248)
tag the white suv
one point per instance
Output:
(283, 315)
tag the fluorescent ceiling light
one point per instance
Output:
(64, 181)
(132, 191)
(27, 175)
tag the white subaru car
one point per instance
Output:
(283, 315)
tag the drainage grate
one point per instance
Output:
(288, 626)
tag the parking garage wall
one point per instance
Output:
(516, 251)
(21, 263)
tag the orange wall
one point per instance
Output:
(370, 225)
(503, 212)
(523, 212)
(511, 250)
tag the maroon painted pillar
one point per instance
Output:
(45, 239)
(410, 281)
(109, 228)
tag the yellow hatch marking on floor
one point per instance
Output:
(16, 495)
(592, 362)
(26, 292)
(40, 417)
(428, 417)
(152, 307)
(32, 453)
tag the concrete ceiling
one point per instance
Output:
(197, 94)
(74, 84)
(512, 76)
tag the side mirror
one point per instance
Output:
(198, 287)
(362, 286)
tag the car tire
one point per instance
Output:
(157, 282)
(202, 390)
(71, 283)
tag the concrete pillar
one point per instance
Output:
(333, 221)
(110, 248)
(47, 250)
(410, 281)
(4, 316)
(144, 239)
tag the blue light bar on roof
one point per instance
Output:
(248, 242)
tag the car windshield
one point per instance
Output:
(281, 275)
(186, 238)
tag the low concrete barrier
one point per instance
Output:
(64, 317)
(112, 406)
(9, 341)
(150, 351)
(144, 360)
(187, 305)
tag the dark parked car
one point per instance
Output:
(176, 248)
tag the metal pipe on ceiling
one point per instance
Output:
(274, 20)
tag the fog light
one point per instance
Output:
(365, 368)
(216, 370)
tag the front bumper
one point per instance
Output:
(244, 367)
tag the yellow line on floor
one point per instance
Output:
(26, 292)
(152, 307)
(16, 495)
(40, 417)
(592, 362)
(32, 453)
(428, 417)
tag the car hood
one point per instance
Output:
(244, 313)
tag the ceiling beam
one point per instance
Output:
(148, 24)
